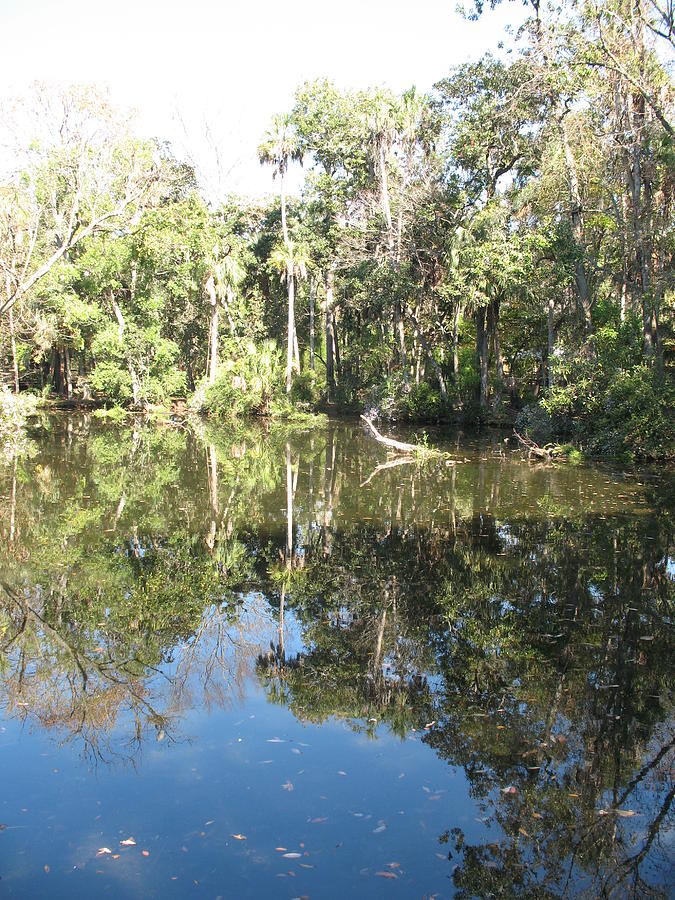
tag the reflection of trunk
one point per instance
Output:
(289, 506)
(281, 651)
(12, 502)
(377, 661)
(212, 476)
(329, 469)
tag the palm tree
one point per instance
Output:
(278, 148)
(291, 260)
(225, 274)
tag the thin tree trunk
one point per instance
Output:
(576, 215)
(482, 354)
(15, 365)
(67, 373)
(330, 364)
(135, 386)
(213, 329)
(291, 329)
(551, 341)
(311, 323)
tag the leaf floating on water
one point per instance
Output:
(387, 875)
(287, 786)
(379, 829)
(296, 751)
(128, 842)
(115, 856)
(430, 724)
(280, 849)
(145, 852)
(239, 837)
(210, 822)
(276, 740)
(626, 813)
(509, 790)
(523, 832)
(307, 866)
(103, 850)
(536, 815)
(292, 855)
(396, 865)
(319, 820)
(340, 772)
(46, 870)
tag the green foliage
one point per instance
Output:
(246, 383)
(609, 402)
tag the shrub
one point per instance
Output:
(246, 383)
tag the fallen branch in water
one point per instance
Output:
(399, 461)
(532, 448)
(401, 446)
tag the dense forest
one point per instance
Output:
(499, 250)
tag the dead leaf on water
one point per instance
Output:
(392, 875)
(287, 786)
(103, 850)
(509, 790)
(625, 813)
(239, 837)
(280, 849)
(128, 842)
(145, 852)
(292, 855)
(379, 829)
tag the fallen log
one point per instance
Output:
(401, 446)
(532, 448)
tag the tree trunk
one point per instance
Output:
(482, 354)
(15, 365)
(67, 373)
(135, 386)
(576, 215)
(330, 365)
(291, 328)
(550, 344)
(311, 323)
(213, 329)
(430, 356)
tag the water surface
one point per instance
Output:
(284, 666)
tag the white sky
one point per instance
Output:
(234, 64)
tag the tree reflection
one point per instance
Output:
(518, 618)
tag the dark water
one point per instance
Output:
(418, 680)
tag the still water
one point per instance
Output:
(276, 663)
